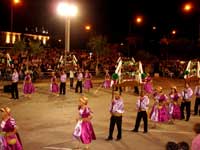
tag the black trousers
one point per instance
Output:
(115, 120)
(78, 85)
(71, 81)
(141, 115)
(186, 105)
(14, 90)
(62, 88)
(196, 105)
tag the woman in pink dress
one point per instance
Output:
(159, 112)
(84, 129)
(88, 82)
(107, 80)
(54, 88)
(28, 87)
(174, 107)
(148, 84)
(10, 139)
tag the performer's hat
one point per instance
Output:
(159, 88)
(6, 110)
(174, 87)
(83, 100)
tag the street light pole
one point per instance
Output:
(68, 11)
(67, 39)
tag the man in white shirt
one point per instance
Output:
(14, 86)
(71, 78)
(79, 83)
(116, 111)
(63, 79)
(186, 101)
(142, 104)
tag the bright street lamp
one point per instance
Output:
(87, 27)
(67, 10)
(187, 7)
(174, 32)
(139, 19)
(192, 7)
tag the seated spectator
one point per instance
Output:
(196, 140)
(171, 146)
(183, 146)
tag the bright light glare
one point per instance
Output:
(16, 1)
(187, 7)
(173, 31)
(88, 27)
(67, 10)
(139, 19)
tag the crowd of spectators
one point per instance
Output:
(49, 60)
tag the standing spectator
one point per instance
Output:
(171, 146)
(11, 139)
(186, 101)
(63, 79)
(196, 140)
(183, 146)
(28, 87)
(79, 81)
(14, 86)
(88, 82)
(71, 78)
(142, 107)
(116, 111)
(197, 100)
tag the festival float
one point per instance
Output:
(71, 61)
(128, 73)
(192, 72)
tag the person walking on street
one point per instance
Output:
(14, 86)
(142, 107)
(186, 102)
(63, 79)
(116, 111)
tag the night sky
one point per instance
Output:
(113, 18)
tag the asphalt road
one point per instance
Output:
(47, 122)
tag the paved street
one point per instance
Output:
(47, 122)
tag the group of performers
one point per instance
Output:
(54, 86)
(28, 87)
(166, 107)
